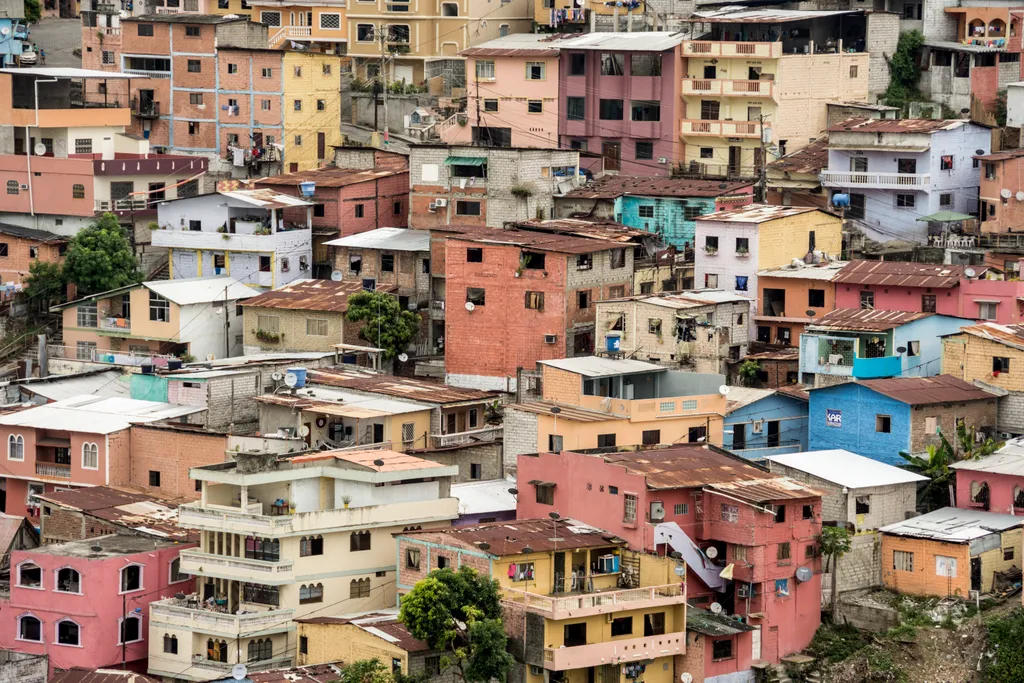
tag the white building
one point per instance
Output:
(260, 238)
(897, 172)
(1015, 105)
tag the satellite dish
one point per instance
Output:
(810, 313)
(901, 349)
(122, 13)
(1004, 193)
(96, 548)
(39, 149)
(680, 570)
(804, 574)
(724, 389)
(4, 30)
(303, 430)
(238, 672)
(484, 546)
(711, 552)
(179, 596)
(687, 677)
(470, 306)
(715, 608)
(336, 275)
(980, 152)
(277, 377)
(1020, 196)
(378, 462)
(970, 272)
(291, 379)
(403, 357)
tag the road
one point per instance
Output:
(58, 37)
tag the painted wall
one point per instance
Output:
(306, 81)
(673, 217)
(1008, 293)
(856, 433)
(797, 302)
(789, 413)
(1002, 489)
(897, 298)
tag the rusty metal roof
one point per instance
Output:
(900, 274)
(612, 186)
(312, 673)
(540, 535)
(779, 354)
(311, 295)
(1008, 335)
(797, 391)
(382, 624)
(761, 213)
(416, 388)
(1005, 155)
(553, 242)
(917, 391)
(865, 320)
(140, 512)
(595, 228)
(80, 674)
(567, 412)
(10, 525)
(928, 126)
(810, 158)
(329, 176)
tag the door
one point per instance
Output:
(612, 153)
(739, 437)
(257, 140)
(309, 431)
(321, 146)
(975, 573)
(735, 157)
(378, 432)
(753, 113)
(309, 18)
(754, 73)
(773, 433)
(758, 159)
(146, 99)
(709, 71)
(451, 424)
(559, 573)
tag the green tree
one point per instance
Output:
(33, 11)
(44, 285)
(833, 543)
(100, 257)
(460, 612)
(935, 464)
(388, 325)
(903, 71)
(748, 372)
(373, 671)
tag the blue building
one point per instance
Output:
(665, 206)
(763, 422)
(878, 418)
(860, 343)
(13, 31)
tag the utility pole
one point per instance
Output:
(385, 34)
(762, 171)
(478, 128)
(227, 325)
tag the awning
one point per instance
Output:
(945, 217)
(465, 161)
(987, 301)
(538, 482)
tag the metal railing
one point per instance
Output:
(732, 129)
(583, 601)
(122, 205)
(145, 110)
(485, 435)
(47, 469)
(93, 355)
(879, 180)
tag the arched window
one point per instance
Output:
(314, 545)
(131, 578)
(78, 191)
(980, 494)
(266, 549)
(170, 644)
(90, 456)
(1018, 497)
(975, 28)
(176, 574)
(359, 588)
(12, 187)
(311, 593)
(131, 629)
(30, 628)
(68, 581)
(261, 649)
(217, 650)
(359, 540)
(30, 575)
(68, 633)
(15, 447)
(996, 28)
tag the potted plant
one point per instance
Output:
(268, 336)
(710, 251)
(742, 252)
(345, 500)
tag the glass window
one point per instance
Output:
(87, 315)
(610, 110)
(613, 64)
(575, 108)
(535, 71)
(485, 69)
(577, 64)
(159, 308)
(645, 65)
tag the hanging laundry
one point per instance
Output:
(237, 156)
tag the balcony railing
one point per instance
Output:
(874, 368)
(485, 435)
(614, 651)
(730, 129)
(237, 568)
(224, 669)
(894, 181)
(726, 48)
(585, 604)
(826, 354)
(716, 86)
(123, 325)
(145, 110)
(93, 355)
(174, 613)
(48, 469)
(121, 205)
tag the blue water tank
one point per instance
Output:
(840, 200)
(308, 188)
(300, 376)
(612, 341)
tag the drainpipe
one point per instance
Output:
(28, 139)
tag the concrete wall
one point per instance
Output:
(399, 106)
(18, 667)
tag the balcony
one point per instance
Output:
(621, 651)
(727, 88)
(217, 241)
(109, 30)
(721, 129)
(121, 205)
(115, 325)
(290, 33)
(233, 520)
(881, 181)
(237, 568)
(726, 48)
(145, 110)
(222, 670)
(827, 355)
(485, 435)
(587, 604)
(174, 612)
(51, 469)
(437, 309)
(874, 368)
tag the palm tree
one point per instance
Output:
(937, 492)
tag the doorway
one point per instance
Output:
(378, 432)
(709, 71)
(735, 158)
(773, 434)
(559, 573)
(612, 153)
(975, 573)
(321, 145)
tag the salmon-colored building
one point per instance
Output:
(790, 297)
(689, 499)
(20, 247)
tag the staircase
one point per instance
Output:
(289, 33)
(161, 271)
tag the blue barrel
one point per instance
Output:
(612, 341)
(308, 188)
(840, 200)
(300, 376)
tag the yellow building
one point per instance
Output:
(578, 605)
(566, 15)
(322, 24)
(991, 354)
(592, 402)
(417, 32)
(312, 108)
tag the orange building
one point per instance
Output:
(1001, 171)
(791, 297)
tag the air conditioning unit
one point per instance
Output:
(742, 590)
(431, 207)
(24, 186)
(758, 426)
(440, 202)
(550, 338)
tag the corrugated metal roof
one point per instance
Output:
(416, 388)
(846, 469)
(331, 176)
(689, 299)
(738, 14)
(567, 412)
(41, 236)
(393, 460)
(781, 354)
(927, 390)
(1005, 155)
(824, 272)
(797, 391)
(740, 397)
(612, 186)
(517, 45)
(865, 320)
(389, 239)
(954, 525)
(57, 388)
(1007, 335)
(961, 47)
(599, 366)
(10, 525)
(810, 158)
(540, 535)
(311, 295)
(329, 402)
(760, 213)
(715, 625)
(312, 673)
(200, 290)
(136, 511)
(1007, 460)
(647, 41)
(478, 497)
(78, 674)
(595, 228)
(900, 274)
(927, 126)
(95, 414)
(766, 491)
(66, 72)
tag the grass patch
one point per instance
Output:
(837, 642)
(1005, 657)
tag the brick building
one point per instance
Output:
(20, 247)
(226, 396)
(778, 368)
(790, 296)
(78, 514)
(993, 355)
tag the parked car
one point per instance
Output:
(28, 56)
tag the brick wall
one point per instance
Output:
(407, 272)
(292, 324)
(230, 403)
(977, 414)
(561, 386)
(428, 545)
(882, 37)
(520, 434)
(171, 453)
(14, 266)
(488, 456)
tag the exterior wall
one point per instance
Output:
(171, 453)
(670, 214)
(883, 37)
(57, 525)
(16, 667)
(789, 413)
(797, 301)
(410, 276)
(1002, 490)
(1004, 174)
(58, 176)
(971, 359)
(1009, 295)
(328, 643)
(895, 298)
(306, 81)
(924, 580)
(292, 328)
(14, 266)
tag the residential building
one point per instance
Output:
(226, 395)
(322, 24)
(732, 247)
(791, 296)
(183, 317)
(83, 603)
(481, 502)
(303, 315)
(844, 110)
(345, 202)
(763, 422)
(776, 367)
(304, 516)
(861, 343)
(1000, 215)
(89, 163)
(949, 552)
(687, 498)
(534, 290)
(583, 636)
(597, 402)
(311, 102)
(568, 17)
(666, 270)
(743, 85)
(861, 494)
(240, 233)
(17, 32)
(896, 171)
(880, 418)
(793, 179)
(473, 186)
(666, 207)
(21, 247)
(899, 286)
(990, 355)
(699, 329)
(76, 442)
(992, 483)
(16, 533)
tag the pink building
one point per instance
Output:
(78, 602)
(994, 483)
(899, 286)
(689, 499)
(1000, 301)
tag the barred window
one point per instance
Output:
(83, 145)
(359, 588)
(330, 21)
(78, 191)
(12, 187)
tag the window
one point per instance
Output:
(629, 501)
(651, 437)
(905, 201)
(605, 440)
(946, 200)
(709, 110)
(193, 128)
(217, 650)
(265, 264)
(535, 71)
(721, 649)
(741, 283)
(412, 558)
(463, 208)
(90, 456)
(1000, 364)
(267, 72)
(622, 626)
(194, 66)
(330, 22)
(260, 649)
(475, 470)
(644, 150)
(491, 105)
(359, 588)
(535, 301)
(192, 31)
(780, 514)
(30, 575)
(175, 573)
(645, 65)
(1008, 554)
(297, 105)
(928, 303)
(883, 424)
(575, 108)
(474, 255)
(30, 628)
(645, 110)
(610, 110)
(145, 30)
(730, 513)
(902, 561)
(131, 629)
(108, 56)
(265, 549)
(359, 541)
(617, 259)
(853, 71)
(311, 593)
(946, 162)
(12, 187)
(476, 296)
(578, 145)
(815, 298)
(867, 299)
(268, 323)
(681, 509)
(807, 512)
(613, 64)
(131, 578)
(68, 581)
(316, 327)
(196, 98)
(534, 107)
(85, 350)
(68, 633)
(544, 493)
(170, 644)
(484, 69)
(987, 310)
(387, 263)
(654, 326)
(86, 315)
(782, 553)
(313, 545)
